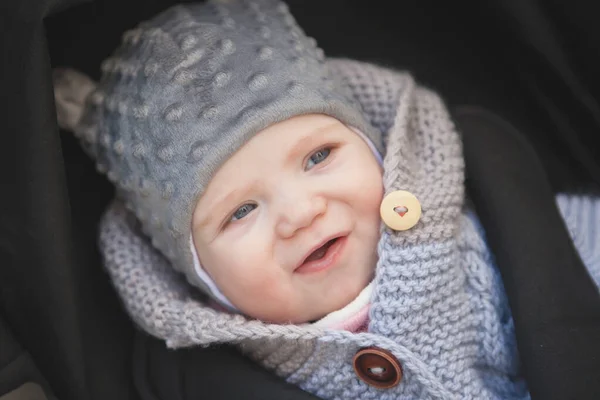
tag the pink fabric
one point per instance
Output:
(358, 322)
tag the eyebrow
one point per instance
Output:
(219, 203)
(308, 140)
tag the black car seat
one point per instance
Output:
(63, 333)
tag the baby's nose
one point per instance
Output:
(299, 212)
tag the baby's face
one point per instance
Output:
(288, 226)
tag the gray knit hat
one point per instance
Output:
(187, 89)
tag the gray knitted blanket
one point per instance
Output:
(438, 304)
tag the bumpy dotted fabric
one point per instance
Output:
(188, 88)
(438, 302)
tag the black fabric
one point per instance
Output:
(554, 302)
(553, 47)
(197, 373)
(53, 294)
(35, 246)
(16, 365)
(533, 64)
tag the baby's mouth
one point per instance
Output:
(324, 256)
(320, 252)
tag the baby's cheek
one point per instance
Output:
(268, 297)
(369, 196)
(267, 288)
(256, 277)
(365, 182)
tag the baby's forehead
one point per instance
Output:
(290, 138)
(275, 147)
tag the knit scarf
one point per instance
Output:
(437, 305)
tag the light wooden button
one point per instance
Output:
(400, 210)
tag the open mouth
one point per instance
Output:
(323, 257)
(320, 252)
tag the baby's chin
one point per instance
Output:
(285, 315)
(304, 312)
(291, 318)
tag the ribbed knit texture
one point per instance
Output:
(582, 216)
(438, 303)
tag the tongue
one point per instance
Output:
(320, 252)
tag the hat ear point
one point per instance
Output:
(71, 89)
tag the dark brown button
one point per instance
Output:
(377, 367)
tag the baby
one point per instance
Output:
(288, 226)
(319, 204)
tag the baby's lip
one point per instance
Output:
(319, 245)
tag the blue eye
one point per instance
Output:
(318, 157)
(243, 211)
